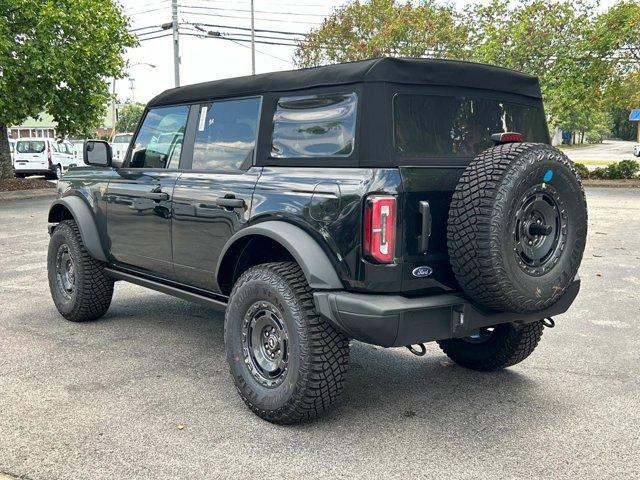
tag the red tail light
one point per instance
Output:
(380, 228)
(507, 137)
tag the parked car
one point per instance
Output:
(636, 150)
(391, 201)
(119, 145)
(43, 156)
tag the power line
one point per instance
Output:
(227, 35)
(236, 39)
(248, 29)
(256, 11)
(131, 30)
(145, 5)
(245, 18)
(198, 28)
(289, 62)
(147, 11)
(166, 34)
(279, 3)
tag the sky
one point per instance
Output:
(151, 64)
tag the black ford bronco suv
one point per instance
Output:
(390, 201)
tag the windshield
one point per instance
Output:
(30, 146)
(460, 126)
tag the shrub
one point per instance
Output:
(582, 170)
(599, 173)
(623, 170)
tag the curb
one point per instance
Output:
(24, 194)
(632, 183)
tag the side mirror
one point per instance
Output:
(97, 152)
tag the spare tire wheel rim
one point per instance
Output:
(540, 230)
(265, 344)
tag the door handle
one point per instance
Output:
(425, 231)
(230, 202)
(157, 196)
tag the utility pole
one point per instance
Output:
(253, 43)
(113, 107)
(176, 42)
(132, 89)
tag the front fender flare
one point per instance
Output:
(306, 251)
(81, 213)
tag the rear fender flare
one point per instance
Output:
(306, 251)
(83, 216)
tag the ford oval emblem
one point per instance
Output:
(421, 272)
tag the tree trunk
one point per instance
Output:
(6, 169)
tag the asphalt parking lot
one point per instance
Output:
(145, 392)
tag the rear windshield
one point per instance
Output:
(31, 146)
(460, 126)
(122, 138)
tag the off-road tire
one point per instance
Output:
(93, 288)
(484, 212)
(509, 344)
(318, 354)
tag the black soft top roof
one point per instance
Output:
(409, 71)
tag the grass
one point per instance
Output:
(577, 146)
(596, 163)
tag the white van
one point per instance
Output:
(42, 156)
(119, 145)
(12, 149)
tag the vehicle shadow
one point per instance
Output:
(390, 387)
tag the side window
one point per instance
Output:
(314, 126)
(159, 141)
(226, 134)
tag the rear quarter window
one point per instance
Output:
(434, 125)
(314, 126)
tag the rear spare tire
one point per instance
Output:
(517, 227)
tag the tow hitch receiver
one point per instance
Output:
(420, 351)
(549, 322)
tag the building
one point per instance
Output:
(43, 126)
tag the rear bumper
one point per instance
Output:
(393, 320)
(32, 171)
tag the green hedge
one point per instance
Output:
(625, 169)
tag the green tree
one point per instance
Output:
(362, 30)
(579, 56)
(552, 40)
(55, 56)
(129, 117)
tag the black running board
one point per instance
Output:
(208, 301)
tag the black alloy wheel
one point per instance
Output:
(265, 343)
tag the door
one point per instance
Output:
(212, 198)
(139, 211)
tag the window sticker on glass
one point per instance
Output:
(203, 119)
